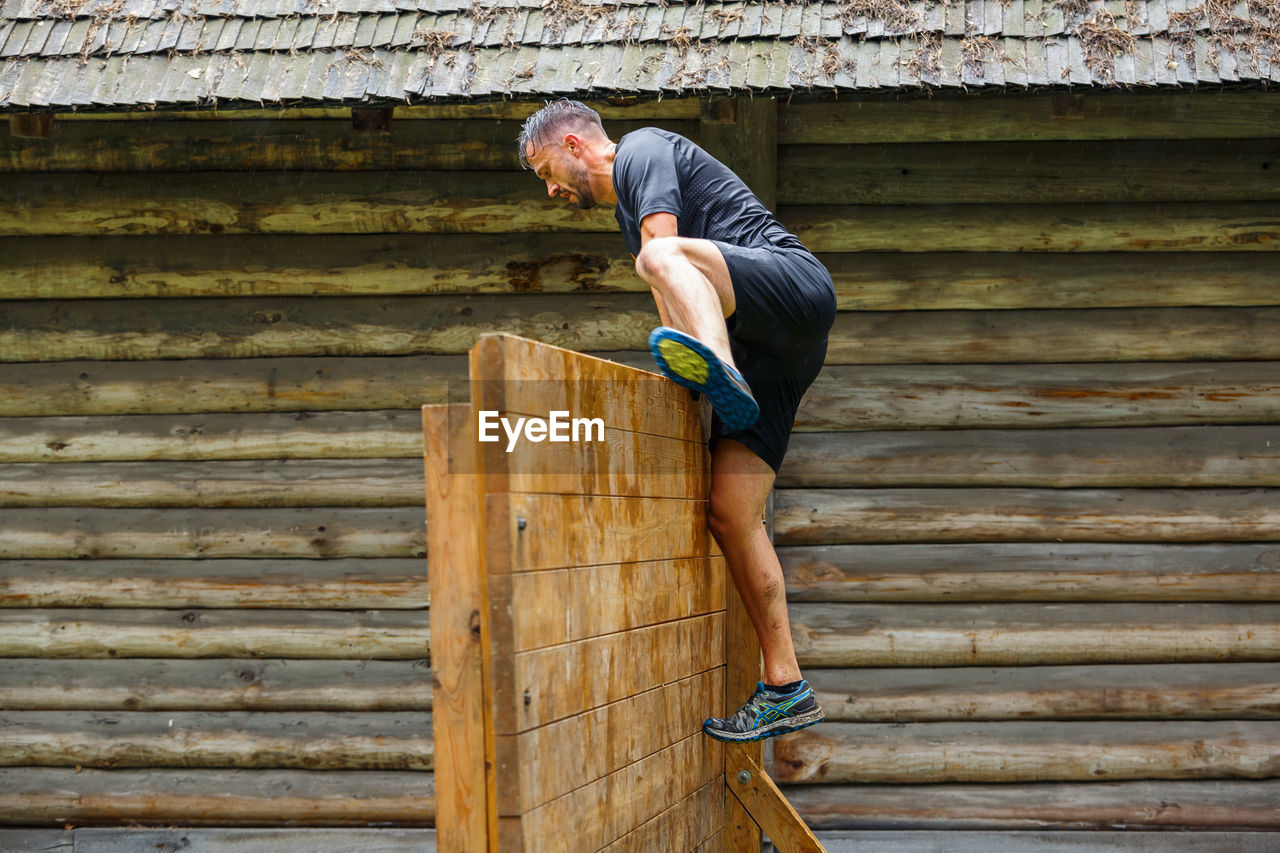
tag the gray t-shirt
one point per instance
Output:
(655, 171)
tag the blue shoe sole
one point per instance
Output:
(690, 363)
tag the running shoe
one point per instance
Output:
(767, 714)
(690, 363)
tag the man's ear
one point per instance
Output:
(573, 142)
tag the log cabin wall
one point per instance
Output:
(1028, 519)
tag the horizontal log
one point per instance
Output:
(55, 796)
(1219, 170)
(260, 328)
(275, 483)
(1090, 115)
(380, 202)
(78, 533)
(1171, 691)
(1169, 457)
(1162, 227)
(249, 385)
(900, 635)
(72, 633)
(1041, 396)
(1039, 751)
(1103, 335)
(272, 740)
(207, 840)
(267, 144)
(213, 437)
(840, 516)
(46, 330)
(1058, 571)
(44, 684)
(1162, 805)
(339, 584)
(290, 265)
(998, 841)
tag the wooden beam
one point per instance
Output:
(1039, 751)
(45, 684)
(55, 796)
(766, 804)
(122, 633)
(1051, 842)
(1015, 571)
(30, 126)
(742, 133)
(899, 635)
(850, 516)
(223, 840)
(613, 108)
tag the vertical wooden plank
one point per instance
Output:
(462, 741)
(742, 671)
(742, 133)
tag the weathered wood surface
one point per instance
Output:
(98, 840)
(43, 684)
(614, 108)
(681, 825)
(305, 326)
(248, 385)
(360, 265)
(752, 787)
(55, 796)
(1222, 170)
(905, 635)
(1055, 571)
(455, 144)
(1037, 751)
(125, 633)
(408, 326)
(340, 584)
(269, 740)
(380, 202)
(1050, 842)
(1164, 804)
(1169, 457)
(1040, 396)
(1093, 115)
(1164, 227)
(212, 437)
(851, 516)
(52, 840)
(274, 483)
(1170, 691)
(69, 533)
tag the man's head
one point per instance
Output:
(563, 144)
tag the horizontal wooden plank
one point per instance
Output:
(267, 740)
(899, 635)
(841, 516)
(290, 265)
(1168, 457)
(1162, 227)
(1078, 115)
(1170, 691)
(1041, 396)
(55, 796)
(1102, 335)
(190, 203)
(614, 108)
(871, 281)
(52, 840)
(83, 633)
(1057, 571)
(98, 840)
(681, 825)
(1027, 752)
(61, 533)
(1163, 170)
(241, 385)
(340, 584)
(338, 326)
(43, 684)
(213, 437)
(1049, 842)
(1162, 805)
(269, 144)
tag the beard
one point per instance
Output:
(582, 189)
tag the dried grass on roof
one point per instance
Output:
(1104, 40)
(434, 42)
(896, 15)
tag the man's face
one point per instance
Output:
(564, 174)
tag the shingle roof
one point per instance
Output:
(100, 54)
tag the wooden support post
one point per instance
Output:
(31, 125)
(760, 797)
(372, 119)
(742, 133)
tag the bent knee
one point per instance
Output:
(654, 261)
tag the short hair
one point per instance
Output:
(554, 118)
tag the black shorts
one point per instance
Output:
(778, 335)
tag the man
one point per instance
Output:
(746, 310)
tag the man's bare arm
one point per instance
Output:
(657, 225)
